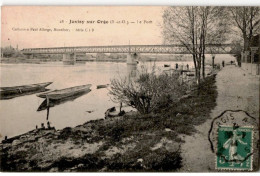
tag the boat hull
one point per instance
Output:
(64, 93)
(44, 105)
(11, 92)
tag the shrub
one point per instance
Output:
(162, 160)
(147, 91)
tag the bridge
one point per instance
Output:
(69, 53)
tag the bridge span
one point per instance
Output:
(69, 53)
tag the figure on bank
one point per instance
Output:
(48, 125)
(187, 66)
(42, 125)
(223, 63)
(176, 66)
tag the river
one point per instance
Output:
(19, 115)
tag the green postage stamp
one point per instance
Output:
(234, 148)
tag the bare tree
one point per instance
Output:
(215, 28)
(195, 27)
(180, 25)
(247, 21)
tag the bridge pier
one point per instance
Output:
(69, 58)
(132, 59)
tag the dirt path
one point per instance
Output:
(236, 90)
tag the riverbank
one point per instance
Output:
(132, 142)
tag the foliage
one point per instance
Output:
(148, 90)
(160, 160)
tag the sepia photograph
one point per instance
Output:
(129, 88)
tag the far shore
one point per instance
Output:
(20, 60)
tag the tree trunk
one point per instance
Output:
(120, 108)
(245, 42)
(198, 75)
(194, 61)
(198, 80)
(203, 66)
(213, 64)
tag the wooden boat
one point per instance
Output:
(64, 93)
(102, 86)
(45, 104)
(112, 112)
(167, 65)
(11, 92)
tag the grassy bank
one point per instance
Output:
(133, 142)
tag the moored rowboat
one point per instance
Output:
(10, 92)
(64, 93)
(102, 86)
(51, 103)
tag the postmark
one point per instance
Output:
(232, 138)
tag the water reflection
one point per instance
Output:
(131, 70)
(44, 105)
(20, 93)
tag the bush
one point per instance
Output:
(148, 91)
(161, 160)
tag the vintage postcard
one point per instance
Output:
(129, 89)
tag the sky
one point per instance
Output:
(19, 26)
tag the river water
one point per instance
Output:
(19, 115)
